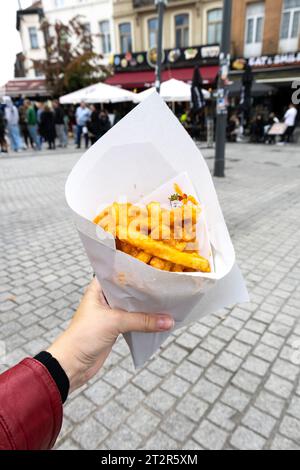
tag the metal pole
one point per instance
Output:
(160, 9)
(20, 5)
(223, 91)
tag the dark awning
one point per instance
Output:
(26, 87)
(147, 78)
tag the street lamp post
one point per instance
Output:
(222, 94)
(20, 5)
(161, 4)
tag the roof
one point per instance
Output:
(35, 9)
(26, 87)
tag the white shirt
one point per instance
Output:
(290, 117)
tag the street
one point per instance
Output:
(230, 381)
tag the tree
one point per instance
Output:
(71, 62)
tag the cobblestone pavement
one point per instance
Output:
(229, 381)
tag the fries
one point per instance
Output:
(164, 239)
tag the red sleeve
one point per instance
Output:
(30, 408)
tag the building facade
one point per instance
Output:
(265, 27)
(191, 36)
(96, 15)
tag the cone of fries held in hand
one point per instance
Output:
(147, 213)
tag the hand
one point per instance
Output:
(83, 348)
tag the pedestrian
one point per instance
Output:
(290, 121)
(24, 127)
(273, 119)
(3, 143)
(94, 124)
(33, 392)
(82, 117)
(47, 127)
(60, 124)
(104, 123)
(258, 129)
(39, 107)
(32, 123)
(12, 122)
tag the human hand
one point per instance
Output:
(83, 348)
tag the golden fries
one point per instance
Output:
(164, 239)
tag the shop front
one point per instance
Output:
(136, 71)
(276, 73)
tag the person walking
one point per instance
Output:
(3, 143)
(32, 123)
(104, 123)
(47, 127)
(24, 127)
(60, 125)
(82, 117)
(94, 125)
(12, 121)
(290, 121)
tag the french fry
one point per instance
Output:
(161, 250)
(160, 264)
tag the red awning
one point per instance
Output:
(147, 78)
(26, 87)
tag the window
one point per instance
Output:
(125, 37)
(33, 35)
(290, 25)
(182, 30)
(105, 40)
(214, 26)
(254, 23)
(59, 3)
(152, 32)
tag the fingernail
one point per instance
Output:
(165, 322)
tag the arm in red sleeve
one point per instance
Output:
(30, 408)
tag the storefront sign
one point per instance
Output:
(267, 61)
(176, 58)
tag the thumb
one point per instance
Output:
(144, 322)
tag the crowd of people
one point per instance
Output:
(260, 126)
(31, 125)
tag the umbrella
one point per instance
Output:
(99, 93)
(171, 91)
(258, 89)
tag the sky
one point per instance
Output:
(10, 43)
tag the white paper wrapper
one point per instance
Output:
(147, 149)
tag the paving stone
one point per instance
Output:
(244, 439)
(174, 353)
(206, 390)
(160, 401)
(246, 381)
(192, 407)
(111, 415)
(161, 441)
(218, 375)
(89, 434)
(100, 392)
(270, 404)
(130, 397)
(281, 443)
(117, 377)
(256, 366)
(78, 409)
(279, 386)
(124, 439)
(143, 421)
(259, 422)
(175, 385)
(290, 427)
(235, 398)
(189, 371)
(177, 426)
(210, 436)
(146, 381)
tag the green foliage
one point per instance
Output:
(71, 62)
